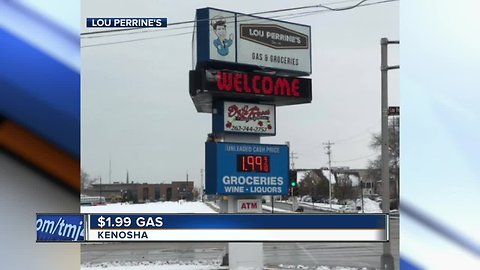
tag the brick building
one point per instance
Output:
(136, 192)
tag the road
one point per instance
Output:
(287, 206)
(312, 254)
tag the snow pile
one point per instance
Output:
(276, 210)
(215, 206)
(197, 265)
(156, 207)
(369, 206)
(322, 206)
(283, 266)
(161, 265)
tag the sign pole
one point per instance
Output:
(387, 258)
(237, 165)
(248, 255)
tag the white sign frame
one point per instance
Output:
(249, 118)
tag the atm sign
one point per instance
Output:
(249, 206)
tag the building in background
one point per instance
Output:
(139, 193)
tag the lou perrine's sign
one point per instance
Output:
(273, 36)
(231, 37)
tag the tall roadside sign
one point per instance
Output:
(244, 67)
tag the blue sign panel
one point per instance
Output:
(246, 169)
(60, 227)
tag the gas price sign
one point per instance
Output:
(253, 169)
(253, 163)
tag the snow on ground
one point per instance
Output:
(195, 265)
(264, 207)
(322, 206)
(161, 265)
(212, 204)
(277, 210)
(369, 206)
(316, 267)
(156, 207)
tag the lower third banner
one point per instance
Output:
(238, 227)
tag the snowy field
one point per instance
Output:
(193, 265)
(369, 205)
(156, 207)
(197, 265)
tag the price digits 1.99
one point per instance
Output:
(253, 163)
(114, 223)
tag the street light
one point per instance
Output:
(387, 258)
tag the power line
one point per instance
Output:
(294, 15)
(255, 13)
(357, 134)
(175, 28)
(345, 8)
(193, 21)
(133, 40)
(359, 139)
(149, 30)
(308, 13)
(354, 159)
(327, 8)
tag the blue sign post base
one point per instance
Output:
(244, 254)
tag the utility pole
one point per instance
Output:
(293, 155)
(110, 170)
(361, 192)
(387, 258)
(328, 147)
(201, 183)
(186, 189)
(100, 189)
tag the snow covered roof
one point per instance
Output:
(328, 174)
(355, 180)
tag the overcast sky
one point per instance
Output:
(136, 110)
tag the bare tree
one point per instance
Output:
(86, 181)
(196, 193)
(343, 187)
(314, 185)
(374, 168)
